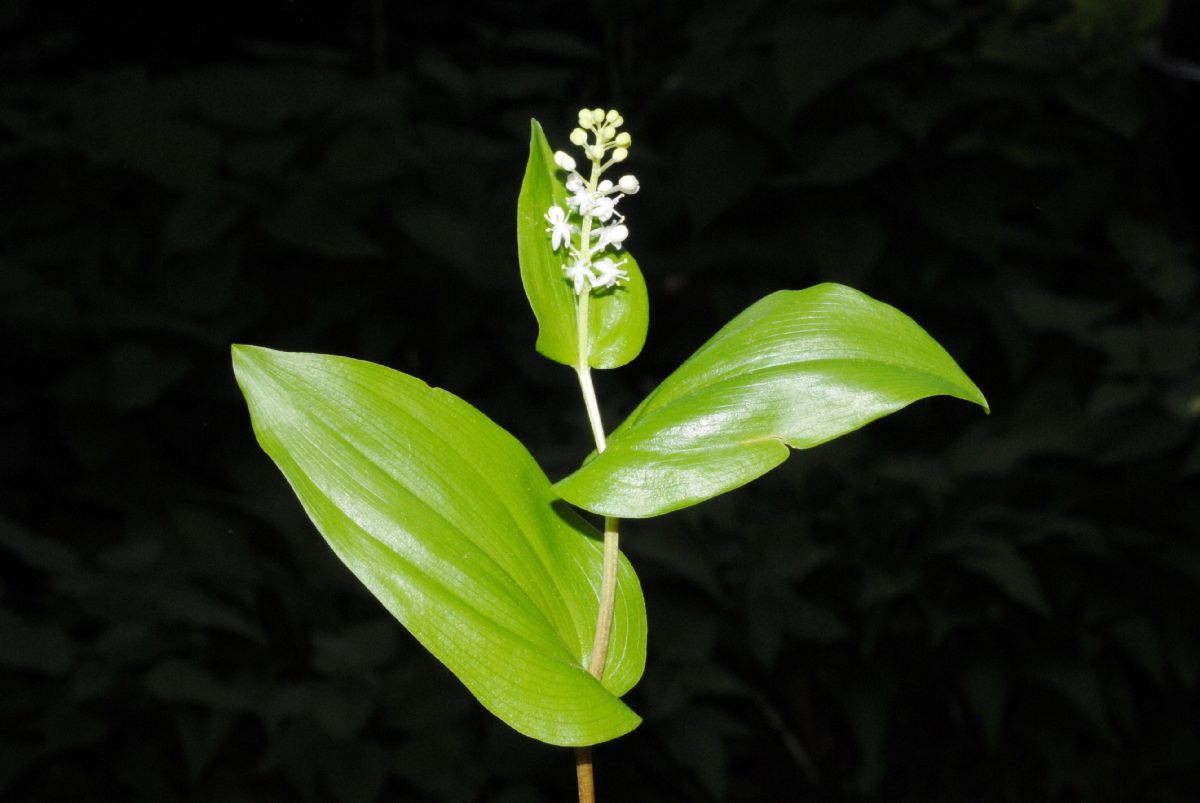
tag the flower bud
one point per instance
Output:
(578, 136)
(609, 132)
(564, 161)
(605, 186)
(624, 140)
(629, 185)
(620, 154)
(597, 115)
(617, 234)
(611, 117)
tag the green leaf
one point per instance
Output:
(617, 318)
(798, 368)
(450, 523)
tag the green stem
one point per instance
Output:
(584, 371)
(608, 583)
(608, 597)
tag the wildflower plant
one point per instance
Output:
(449, 521)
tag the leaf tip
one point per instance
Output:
(244, 355)
(240, 354)
(251, 363)
(975, 395)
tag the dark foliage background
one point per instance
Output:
(941, 607)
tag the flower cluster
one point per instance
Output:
(591, 222)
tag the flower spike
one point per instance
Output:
(592, 202)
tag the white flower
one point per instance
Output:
(580, 274)
(560, 227)
(611, 235)
(564, 161)
(610, 273)
(602, 208)
(581, 199)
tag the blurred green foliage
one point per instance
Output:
(938, 608)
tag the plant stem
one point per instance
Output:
(608, 596)
(589, 401)
(608, 583)
(583, 775)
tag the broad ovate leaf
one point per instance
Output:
(450, 523)
(798, 368)
(617, 317)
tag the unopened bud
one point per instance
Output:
(629, 185)
(605, 186)
(578, 136)
(564, 161)
(597, 115)
(625, 140)
(611, 117)
(620, 154)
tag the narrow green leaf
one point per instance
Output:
(617, 318)
(798, 368)
(450, 523)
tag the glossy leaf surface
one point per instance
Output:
(451, 524)
(798, 368)
(617, 318)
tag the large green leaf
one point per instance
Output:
(798, 368)
(617, 318)
(450, 523)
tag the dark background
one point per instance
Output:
(945, 606)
